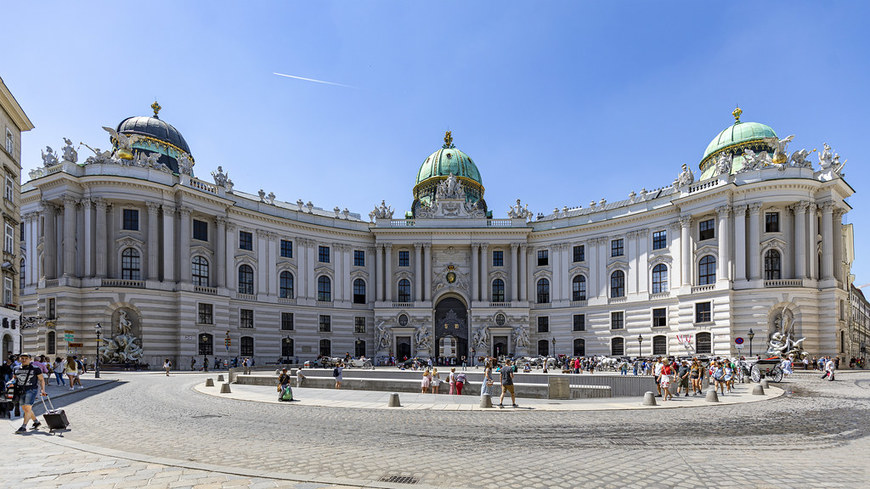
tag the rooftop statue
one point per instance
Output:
(185, 165)
(798, 159)
(381, 212)
(99, 156)
(262, 195)
(450, 188)
(69, 153)
(519, 212)
(124, 142)
(49, 158)
(686, 177)
(723, 164)
(220, 178)
(755, 161)
(829, 160)
(780, 155)
(270, 199)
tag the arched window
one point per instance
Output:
(660, 278)
(660, 345)
(325, 348)
(707, 270)
(287, 347)
(404, 294)
(543, 291)
(703, 343)
(246, 346)
(51, 343)
(359, 348)
(199, 271)
(543, 348)
(617, 347)
(578, 288)
(359, 291)
(772, 265)
(130, 264)
(206, 344)
(285, 286)
(579, 347)
(324, 289)
(498, 290)
(246, 279)
(617, 284)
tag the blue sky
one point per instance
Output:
(559, 103)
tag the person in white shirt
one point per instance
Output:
(657, 372)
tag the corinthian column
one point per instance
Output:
(812, 238)
(686, 249)
(484, 273)
(827, 240)
(100, 253)
(800, 239)
(724, 235)
(184, 245)
(153, 247)
(754, 241)
(475, 280)
(418, 271)
(69, 237)
(221, 258)
(514, 273)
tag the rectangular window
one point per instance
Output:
(659, 317)
(617, 247)
(543, 324)
(200, 230)
(660, 239)
(10, 141)
(579, 322)
(617, 320)
(580, 253)
(286, 249)
(246, 318)
(246, 241)
(498, 258)
(703, 312)
(706, 229)
(543, 258)
(359, 258)
(771, 222)
(404, 258)
(206, 314)
(7, 291)
(51, 308)
(287, 321)
(323, 254)
(131, 220)
(325, 324)
(10, 189)
(359, 325)
(9, 243)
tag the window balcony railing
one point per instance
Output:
(703, 288)
(579, 303)
(286, 300)
(246, 297)
(205, 290)
(660, 295)
(784, 283)
(617, 300)
(402, 305)
(117, 282)
(499, 304)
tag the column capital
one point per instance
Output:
(388, 246)
(153, 207)
(100, 203)
(86, 202)
(740, 210)
(418, 246)
(262, 234)
(184, 211)
(221, 220)
(754, 207)
(839, 212)
(514, 246)
(812, 206)
(168, 210)
(827, 206)
(685, 221)
(69, 201)
(723, 210)
(231, 226)
(800, 207)
(475, 245)
(484, 247)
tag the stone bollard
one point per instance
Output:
(486, 401)
(220, 378)
(649, 398)
(712, 396)
(209, 382)
(758, 390)
(747, 379)
(394, 400)
(225, 389)
(765, 383)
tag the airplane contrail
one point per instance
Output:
(313, 80)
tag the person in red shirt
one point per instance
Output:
(665, 380)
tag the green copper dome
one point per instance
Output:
(737, 137)
(448, 160)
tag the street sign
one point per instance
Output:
(68, 331)
(738, 340)
(740, 346)
(76, 345)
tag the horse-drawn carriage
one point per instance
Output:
(767, 367)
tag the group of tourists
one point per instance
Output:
(70, 367)
(506, 380)
(431, 382)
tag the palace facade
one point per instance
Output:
(130, 239)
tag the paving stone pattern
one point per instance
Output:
(815, 435)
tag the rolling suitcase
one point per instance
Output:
(55, 419)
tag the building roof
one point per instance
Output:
(16, 113)
(446, 161)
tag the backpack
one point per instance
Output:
(335, 372)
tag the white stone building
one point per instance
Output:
(189, 263)
(13, 121)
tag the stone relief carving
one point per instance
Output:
(480, 339)
(423, 340)
(385, 338)
(450, 188)
(185, 165)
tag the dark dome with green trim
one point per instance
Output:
(446, 161)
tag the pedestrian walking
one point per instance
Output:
(58, 368)
(696, 372)
(830, 366)
(657, 375)
(451, 380)
(683, 378)
(507, 384)
(167, 365)
(285, 393)
(299, 377)
(337, 372)
(665, 379)
(71, 370)
(80, 366)
(193, 364)
(28, 382)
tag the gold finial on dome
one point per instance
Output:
(448, 139)
(156, 108)
(737, 113)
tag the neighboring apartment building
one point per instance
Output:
(13, 121)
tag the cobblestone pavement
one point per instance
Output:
(817, 434)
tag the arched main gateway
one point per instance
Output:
(451, 330)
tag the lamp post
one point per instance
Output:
(639, 341)
(98, 330)
(751, 335)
